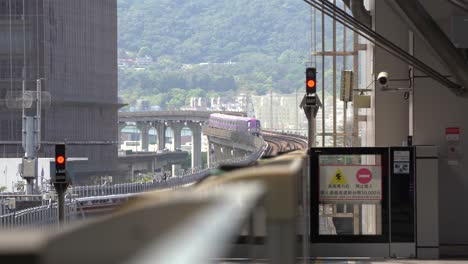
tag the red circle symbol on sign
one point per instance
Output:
(364, 176)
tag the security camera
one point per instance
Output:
(383, 79)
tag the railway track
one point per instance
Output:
(279, 143)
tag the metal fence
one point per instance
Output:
(8, 201)
(194, 175)
(47, 215)
(138, 187)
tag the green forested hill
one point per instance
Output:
(212, 46)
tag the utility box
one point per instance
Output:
(346, 91)
(28, 169)
(11, 203)
(362, 101)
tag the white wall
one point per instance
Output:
(435, 108)
(9, 174)
(391, 109)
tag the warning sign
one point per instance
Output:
(344, 183)
(339, 178)
(364, 176)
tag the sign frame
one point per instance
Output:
(315, 154)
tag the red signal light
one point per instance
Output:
(60, 159)
(311, 83)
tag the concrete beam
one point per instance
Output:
(360, 13)
(233, 144)
(423, 23)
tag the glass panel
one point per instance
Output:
(350, 195)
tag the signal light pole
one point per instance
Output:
(311, 103)
(31, 138)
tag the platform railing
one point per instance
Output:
(190, 225)
(272, 228)
(184, 227)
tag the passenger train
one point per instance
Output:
(235, 123)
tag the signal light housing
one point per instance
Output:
(60, 162)
(311, 81)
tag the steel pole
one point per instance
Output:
(312, 128)
(61, 206)
(61, 188)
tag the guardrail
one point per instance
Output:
(274, 224)
(191, 222)
(43, 216)
(9, 202)
(172, 182)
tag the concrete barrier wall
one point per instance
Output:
(238, 137)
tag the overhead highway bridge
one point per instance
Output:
(176, 120)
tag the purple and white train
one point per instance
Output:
(235, 123)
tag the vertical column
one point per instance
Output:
(122, 125)
(132, 173)
(176, 169)
(196, 145)
(177, 129)
(144, 128)
(210, 153)
(161, 129)
(151, 166)
(177, 143)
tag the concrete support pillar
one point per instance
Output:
(161, 129)
(122, 125)
(210, 153)
(144, 131)
(177, 129)
(196, 145)
(219, 154)
(132, 173)
(175, 169)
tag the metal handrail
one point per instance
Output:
(200, 216)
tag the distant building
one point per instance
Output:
(145, 61)
(196, 104)
(72, 46)
(143, 105)
(155, 108)
(280, 111)
(137, 63)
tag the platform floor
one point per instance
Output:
(380, 261)
(390, 261)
